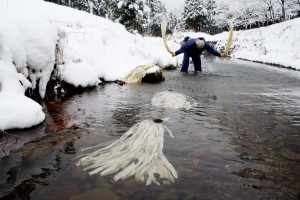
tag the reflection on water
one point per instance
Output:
(242, 140)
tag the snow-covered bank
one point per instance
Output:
(16, 110)
(278, 44)
(25, 40)
(34, 35)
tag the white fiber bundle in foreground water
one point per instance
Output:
(137, 153)
(173, 100)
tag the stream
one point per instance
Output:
(241, 141)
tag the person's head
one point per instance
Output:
(200, 43)
(184, 40)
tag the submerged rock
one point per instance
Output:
(44, 145)
(169, 195)
(104, 193)
(153, 75)
(288, 154)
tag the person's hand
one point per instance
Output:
(173, 54)
(223, 55)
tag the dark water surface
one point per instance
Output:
(241, 142)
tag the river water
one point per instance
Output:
(241, 141)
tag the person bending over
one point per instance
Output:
(194, 48)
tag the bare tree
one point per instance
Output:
(281, 3)
(270, 9)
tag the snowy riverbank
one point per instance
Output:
(277, 44)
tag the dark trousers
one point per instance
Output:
(186, 61)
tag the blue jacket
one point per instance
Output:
(190, 47)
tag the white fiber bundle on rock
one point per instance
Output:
(173, 100)
(145, 73)
(137, 153)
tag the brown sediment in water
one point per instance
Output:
(45, 144)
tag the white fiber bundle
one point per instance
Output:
(137, 153)
(173, 100)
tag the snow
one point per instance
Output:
(16, 110)
(28, 40)
(91, 47)
(276, 44)
(120, 4)
(80, 74)
(152, 70)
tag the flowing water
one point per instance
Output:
(241, 141)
